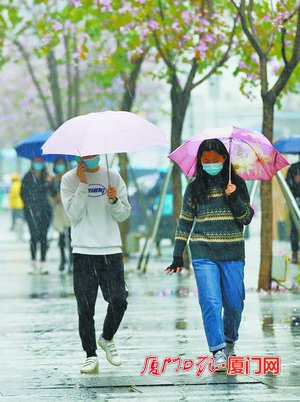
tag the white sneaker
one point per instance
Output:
(229, 349)
(33, 269)
(220, 361)
(110, 350)
(90, 366)
(43, 270)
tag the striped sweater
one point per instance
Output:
(215, 227)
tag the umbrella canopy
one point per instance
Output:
(103, 133)
(31, 147)
(288, 145)
(251, 153)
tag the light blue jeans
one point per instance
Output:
(220, 284)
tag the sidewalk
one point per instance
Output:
(41, 352)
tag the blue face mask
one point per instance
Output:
(38, 166)
(212, 168)
(60, 169)
(92, 163)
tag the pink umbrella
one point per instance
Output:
(251, 153)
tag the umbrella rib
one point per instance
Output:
(239, 139)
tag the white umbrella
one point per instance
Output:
(103, 133)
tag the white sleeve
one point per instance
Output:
(74, 198)
(121, 209)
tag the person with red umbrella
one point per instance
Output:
(217, 209)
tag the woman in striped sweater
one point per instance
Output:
(214, 212)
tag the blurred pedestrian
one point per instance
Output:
(166, 226)
(293, 181)
(217, 209)
(37, 210)
(95, 207)
(15, 200)
(61, 221)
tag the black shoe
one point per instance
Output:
(62, 266)
(295, 259)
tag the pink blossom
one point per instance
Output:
(46, 40)
(243, 65)
(57, 26)
(139, 50)
(202, 47)
(153, 25)
(266, 18)
(106, 3)
(209, 38)
(186, 17)
(254, 57)
(204, 21)
(185, 38)
(123, 30)
(75, 3)
(76, 56)
(175, 26)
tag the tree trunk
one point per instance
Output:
(126, 105)
(264, 281)
(179, 101)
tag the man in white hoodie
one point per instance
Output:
(95, 207)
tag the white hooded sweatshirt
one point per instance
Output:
(94, 221)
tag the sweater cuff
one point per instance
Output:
(233, 197)
(83, 186)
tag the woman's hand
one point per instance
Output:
(230, 188)
(170, 271)
(175, 267)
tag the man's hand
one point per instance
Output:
(80, 172)
(112, 193)
(230, 188)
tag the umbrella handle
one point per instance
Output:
(107, 168)
(108, 175)
(230, 141)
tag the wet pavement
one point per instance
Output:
(41, 352)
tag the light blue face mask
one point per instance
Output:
(92, 163)
(60, 169)
(38, 166)
(212, 168)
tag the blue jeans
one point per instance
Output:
(220, 284)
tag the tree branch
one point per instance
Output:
(283, 52)
(76, 83)
(38, 87)
(289, 66)
(69, 75)
(168, 63)
(54, 86)
(250, 35)
(130, 84)
(189, 82)
(220, 63)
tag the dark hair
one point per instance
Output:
(60, 159)
(200, 185)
